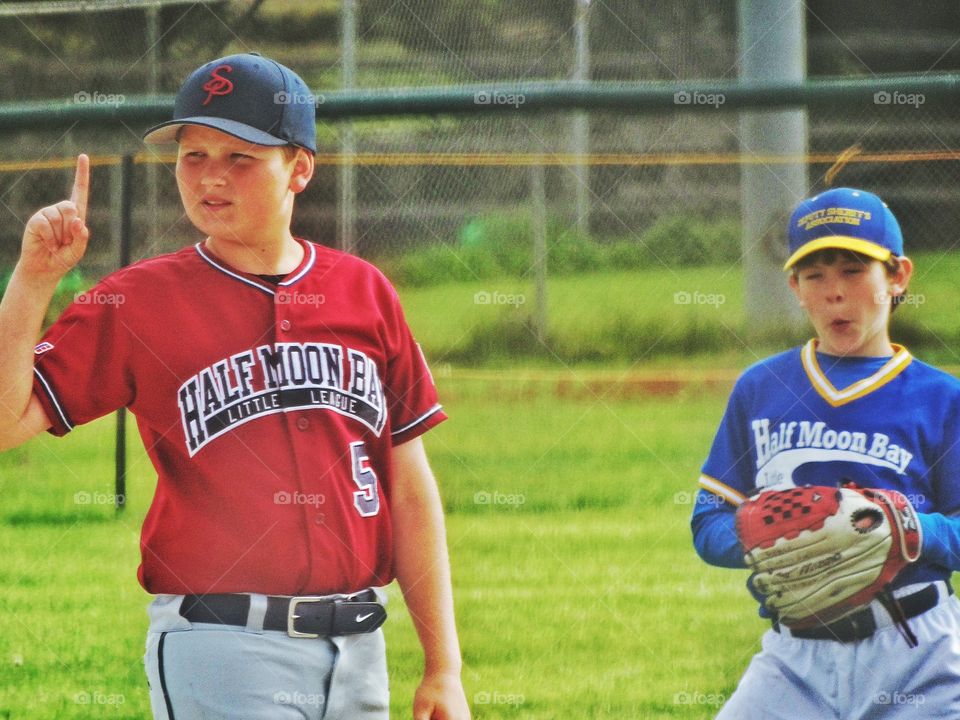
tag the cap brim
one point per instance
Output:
(864, 247)
(167, 132)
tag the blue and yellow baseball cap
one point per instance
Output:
(844, 218)
(248, 96)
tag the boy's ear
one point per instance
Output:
(901, 278)
(303, 166)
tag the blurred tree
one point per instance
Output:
(860, 37)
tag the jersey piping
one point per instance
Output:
(432, 411)
(264, 286)
(891, 369)
(725, 491)
(53, 399)
(311, 257)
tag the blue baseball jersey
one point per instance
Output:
(802, 417)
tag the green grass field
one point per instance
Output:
(578, 592)
(621, 318)
(568, 493)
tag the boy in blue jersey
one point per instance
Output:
(849, 405)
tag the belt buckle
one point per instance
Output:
(292, 616)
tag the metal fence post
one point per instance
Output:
(581, 120)
(538, 207)
(123, 181)
(348, 191)
(772, 49)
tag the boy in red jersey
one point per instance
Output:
(281, 398)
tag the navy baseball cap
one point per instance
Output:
(844, 218)
(248, 96)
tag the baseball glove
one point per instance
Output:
(818, 553)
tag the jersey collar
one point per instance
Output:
(893, 367)
(309, 258)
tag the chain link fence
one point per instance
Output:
(436, 199)
(440, 182)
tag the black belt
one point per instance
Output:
(862, 624)
(305, 617)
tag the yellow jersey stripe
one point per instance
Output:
(891, 369)
(725, 491)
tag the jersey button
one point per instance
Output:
(284, 325)
(302, 423)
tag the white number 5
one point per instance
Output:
(367, 499)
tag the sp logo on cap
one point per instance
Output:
(249, 108)
(217, 84)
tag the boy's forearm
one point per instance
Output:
(22, 310)
(715, 535)
(422, 563)
(423, 572)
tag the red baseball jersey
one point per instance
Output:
(269, 412)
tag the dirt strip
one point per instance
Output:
(574, 384)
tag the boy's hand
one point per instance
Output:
(440, 697)
(55, 237)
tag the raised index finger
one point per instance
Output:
(81, 186)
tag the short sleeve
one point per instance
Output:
(412, 401)
(80, 368)
(725, 482)
(728, 470)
